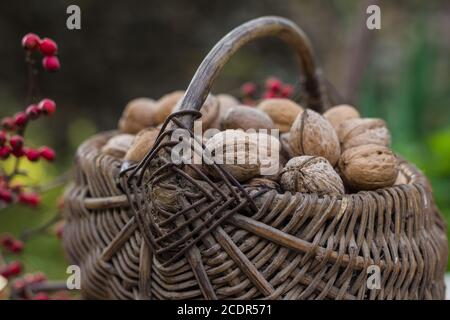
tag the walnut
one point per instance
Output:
(311, 174)
(283, 112)
(243, 155)
(139, 114)
(368, 167)
(210, 111)
(357, 132)
(338, 114)
(142, 144)
(226, 102)
(312, 134)
(244, 117)
(166, 104)
(118, 145)
(286, 149)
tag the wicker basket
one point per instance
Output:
(151, 231)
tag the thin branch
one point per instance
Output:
(28, 234)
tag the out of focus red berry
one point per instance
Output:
(274, 84)
(30, 41)
(32, 199)
(8, 123)
(248, 89)
(48, 47)
(6, 195)
(16, 142)
(5, 151)
(51, 63)
(47, 153)
(32, 112)
(32, 154)
(47, 106)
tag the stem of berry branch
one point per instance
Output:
(32, 77)
(47, 286)
(27, 234)
(55, 183)
(2, 259)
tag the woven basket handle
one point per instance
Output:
(212, 65)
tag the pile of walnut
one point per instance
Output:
(335, 153)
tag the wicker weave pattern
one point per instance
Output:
(325, 248)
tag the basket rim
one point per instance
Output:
(94, 144)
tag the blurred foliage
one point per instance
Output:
(148, 48)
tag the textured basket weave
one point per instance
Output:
(151, 231)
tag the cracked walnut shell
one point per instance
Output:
(310, 174)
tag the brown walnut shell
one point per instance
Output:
(244, 117)
(311, 134)
(138, 114)
(368, 167)
(166, 104)
(241, 154)
(142, 144)
(357, 132)
(283, 112)
(226, 102)
(338, 114)
(118, 145)
(210, 111)
(310, 174)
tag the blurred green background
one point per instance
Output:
(127, 49)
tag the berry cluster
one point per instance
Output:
(46, 46)
(13, 146)
(273, 88)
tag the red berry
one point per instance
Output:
(47, 153)
(16, 142)
(269, 95)
(16, 246)
(12, 269)
(19, 284)
(287, 91)
(6, 195)
(5, 151)
(30, 41)
(15, 268)
(3, 138)
(38, 277)
(8, 123)
(6, 240)
(20, 119)
(31, 199)
(32, 154)
(248, 89)
(17, 187)
(59, 230)
(47, 106)
(48, 47)
(32, 112)
(18, 153)
(274, 84)
(51, 63)
(41, 296)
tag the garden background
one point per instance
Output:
(128, 49)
